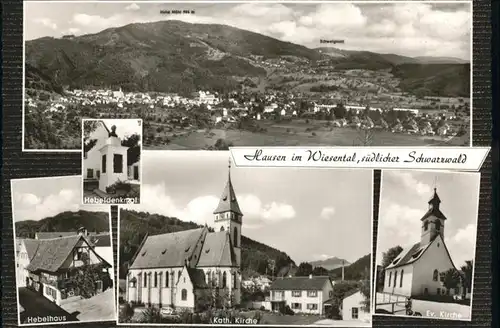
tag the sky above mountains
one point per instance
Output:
(410, 29)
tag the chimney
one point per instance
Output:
(310, 276)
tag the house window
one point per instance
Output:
(389, 280)
(296, 293)
(296, 306)
(184, 294)
(90, 173)
(156, 279)
(103, 164)
(145, 279)
(354, 312)
(118, 163)
(166, 279)
(312, 306)
(401, 279)
(78, 254)
(98, 286)
(435, 275)
(312, 293)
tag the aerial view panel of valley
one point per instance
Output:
(215, 75)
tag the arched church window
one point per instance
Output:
(234, 281)
(184, 294)
(426, 225)
(224, 280)
(438, 225)
(145, 279)
(235, 238)
(435, 275)
(389, 280)
(395, 278)
(221, 228)
(214, 280)
(166, 279)
(156, 280)
(401, 279)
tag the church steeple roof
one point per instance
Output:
(228, 201)
(434, 207)
(435, 201)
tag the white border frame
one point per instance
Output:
(372, 295)
(476, 221)
(471, 62)
(15, 259)
(140, 156)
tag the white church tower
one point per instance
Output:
(433, 221)
(228, 216)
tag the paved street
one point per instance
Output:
(36, 306)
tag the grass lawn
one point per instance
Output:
(276, 319)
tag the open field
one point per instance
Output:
(295, 133)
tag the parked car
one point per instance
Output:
(458, 297)
(167, 311)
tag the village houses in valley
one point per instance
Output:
(178, 269)
(50, 264)
(419, 269)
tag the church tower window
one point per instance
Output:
(438, 225)
(235, 237)
(426, 225)
(435, 275)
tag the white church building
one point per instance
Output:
(417, 269)
(177, 269)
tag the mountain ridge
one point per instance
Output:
(175, 56)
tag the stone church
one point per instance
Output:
(177, 269)
(417, 269)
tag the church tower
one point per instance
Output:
(228, 216)
(432, 221)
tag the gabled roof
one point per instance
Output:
(52, 253)
(228, 201)
(31, 246)
(167, 250)
(351, 292)
(197, 277)
(300, 283)
(409, 255)
(217, 251)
